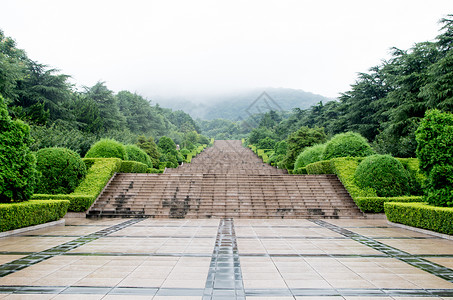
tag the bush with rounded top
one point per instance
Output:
(17, 163)
(134, 153)
(347, 144)
(107, 148)
(61, 170)
(383, 173)
(309, 155)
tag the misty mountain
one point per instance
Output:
(240, 105)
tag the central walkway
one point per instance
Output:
(225, 259)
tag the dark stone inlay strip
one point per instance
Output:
(413, 260)
(227, 294)
(38, 257)
(225, 277)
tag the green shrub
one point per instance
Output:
(77, 203)
(281, 148)
(300, 171)
(274, 159)
(61, 171)
(435, 152)
(309, 155)
(266, 143)
(128, 166)
(134, 153)
(149, 146)
(18, 215)
(320, 167)
(299, 140)
(152, 170)
(347, 144)
(17, 163)
(417, 178)
(107, 148)
(376, 204)
(383, 173)
(98, 175)
(421, 215)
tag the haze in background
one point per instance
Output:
(198, 51)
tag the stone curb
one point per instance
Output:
(29, 228)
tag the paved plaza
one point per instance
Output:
(225, 259)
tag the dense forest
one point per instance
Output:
(386, 104)
(59, 115)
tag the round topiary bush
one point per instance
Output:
(385, 174)
(309, 155)
(136, 154)
(107, 148)
(347, 144)
(61, 171)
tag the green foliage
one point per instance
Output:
(260, 133)
(299, 140)
(435, 152)
(98, 175)
(17, 163)
(376, 204)
(152, 170)
(169, 154)
(61, 170)
(77, 203)
(18, 215)
(309, 155)
(417, 179)
(383, 173)
(300, 171)
(107, 148)
(320, 167)
(137, 154)
(281, 148)
(421, 215)
(150, 147)
(347, 144)
(266, 143)
(133, 167)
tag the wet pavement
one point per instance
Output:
(225, 259)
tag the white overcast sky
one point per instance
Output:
(176, 48)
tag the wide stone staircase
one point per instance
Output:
(226, 180)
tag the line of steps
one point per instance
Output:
(226, 180)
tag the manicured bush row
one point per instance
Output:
(152, 170)
(376, 204)
(128, 166)
(320, 167)
(421, 215)
(300, 171)
(100, 172)
(28, 213)
(77, 203)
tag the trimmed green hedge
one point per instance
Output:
(129, 166)
(365, 198)
(18, 215)
(153, 170)
(376, 204)
(100, 172)
(421, 215)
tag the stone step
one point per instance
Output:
(225, 180)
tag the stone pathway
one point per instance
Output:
(225, 259)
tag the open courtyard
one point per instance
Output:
(225, 259)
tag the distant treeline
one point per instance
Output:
(384, 105)
(59, 115)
